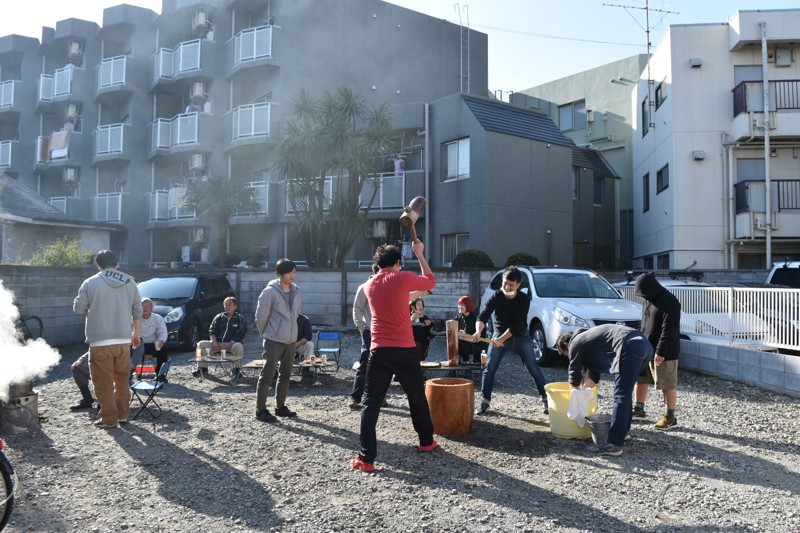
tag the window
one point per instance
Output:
(598, 191)
(662, 262)
(648, 263)
(572, 116)
(646, 193)
(645, 116)
(750, 170)
(661, 94)
(452, 245)
(457, 160)
(576, 182)
(662, 179)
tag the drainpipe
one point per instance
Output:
(767, 183)
(427, 178)
(731, 192)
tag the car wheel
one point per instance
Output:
(194, 336)
(540, 351)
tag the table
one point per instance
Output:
(466, 371)
(219, 362)
(252, 369)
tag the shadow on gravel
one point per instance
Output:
(191, 478)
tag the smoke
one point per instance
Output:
(19, 361)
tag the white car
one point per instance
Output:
(567, 299)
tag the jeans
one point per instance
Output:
(361, 373)
(382, 364)
(636, 353)
(523, 345)
(110, 368)
(276, 354)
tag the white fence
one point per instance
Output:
(762, 317)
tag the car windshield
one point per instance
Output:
(168, 288)
(786, 276)
(572, 285)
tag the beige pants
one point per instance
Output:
(111, 370)
(237, 350)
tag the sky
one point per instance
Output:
(530, 41)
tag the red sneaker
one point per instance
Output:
(357, 464)
(429, 448)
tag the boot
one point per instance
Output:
(86, 402)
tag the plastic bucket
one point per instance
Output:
(557, 403)
(599, 425)
(451, 402)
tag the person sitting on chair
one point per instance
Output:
(154, 335)
(304, 346)
(226, 332)
(80, 373)
(468, 351)
(422, 326)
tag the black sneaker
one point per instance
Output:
(197, 372)
(265, 416)
(284, 411)
(546, 409)
(84, 404)
(484, 407)
(237, 373)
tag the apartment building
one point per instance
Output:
(715, 145)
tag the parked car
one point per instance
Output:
(786, 274)
(564, 299)
(188, 303)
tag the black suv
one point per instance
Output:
(188, 303)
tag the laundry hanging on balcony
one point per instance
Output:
(59, 144)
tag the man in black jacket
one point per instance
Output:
(661, 321)
(226, 332)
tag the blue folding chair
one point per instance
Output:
(146, 391)
(329, 343)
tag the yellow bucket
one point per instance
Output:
(557, 403)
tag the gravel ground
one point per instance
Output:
(208, 465)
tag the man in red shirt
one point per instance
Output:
(392, 350)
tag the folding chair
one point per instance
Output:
(329, 343)
(145, 392)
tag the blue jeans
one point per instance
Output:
(636, 354)
(523, 345)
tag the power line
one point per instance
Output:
(546, 36)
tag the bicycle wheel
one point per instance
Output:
(32, 328)
(6, 490)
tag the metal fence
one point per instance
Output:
(767, 318)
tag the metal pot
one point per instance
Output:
(21, 389)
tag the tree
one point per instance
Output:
(60, 253)
(219, 199)
(331, 147)
(472, 258)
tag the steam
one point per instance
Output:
(19, 361)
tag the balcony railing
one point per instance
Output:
(59, 84)
(749, 96)
(253, 43)
(390, 191)
(59, 202)
(109, 139)
(751, 195)
(7, 93)
(176, 204)
(107, 207)
(5, 153)
(159, 205)
(261, 196)
(111, 71)
(251, 121)
(181, 129)
(183, 58)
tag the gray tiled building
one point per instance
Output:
(110, 123)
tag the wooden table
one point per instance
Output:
(219, 362)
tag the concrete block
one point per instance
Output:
(749, 357)
(791, 364)
(689, 347)
(772, 378)
(730, 370)
(791, 384)
(708, 351)
(772, 361)
(689, 361)
(728, 355)
(749, 373)
(708, 366)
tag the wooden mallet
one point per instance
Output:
(411, 214)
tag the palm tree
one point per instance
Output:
(338, 137)
(219, 199)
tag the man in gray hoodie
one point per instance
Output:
(276, 320)
(113, 308)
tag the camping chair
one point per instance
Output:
(145, 392)
(329, 344)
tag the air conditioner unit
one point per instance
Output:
(73, 112)
(590, 115)
(198, 162)
(75, 49)
(70, 175)
(375, 229)
(198, 91)
(198, 234)
(200, 21)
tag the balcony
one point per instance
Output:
(784, 106)
(112, 81)
(389, 188)
(112, 145)
(52, 150)
(180, 134)
(250, 48)
(751, 208)
(250, 124)
(187, 60)
(8, 90)
(166, 205)
(69, 205)
(7, 151)
(261, 196)
(57, 87)
(107, 207)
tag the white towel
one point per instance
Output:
(579, 405)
